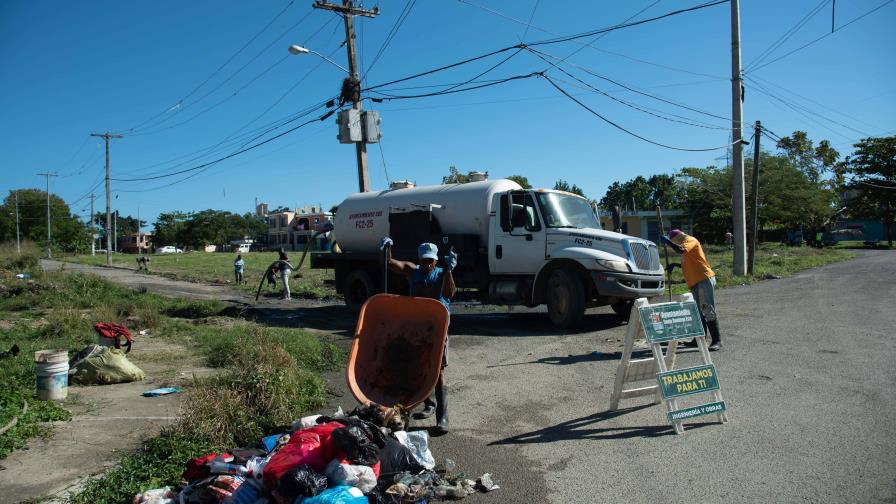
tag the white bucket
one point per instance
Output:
(51, 374)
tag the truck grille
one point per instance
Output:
(647, 256)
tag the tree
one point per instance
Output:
(873, 170)
(168, 228)
(68, 231)
(454, 176)
(562, 185)
(811, 160)
(643, 194)
(521, 180)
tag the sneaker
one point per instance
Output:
(715, 346)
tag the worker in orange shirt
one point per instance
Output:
(701, 280)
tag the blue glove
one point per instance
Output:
(450, 260)
(386, 242)
(670, 268)
(665, 239)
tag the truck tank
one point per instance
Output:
(363, 218)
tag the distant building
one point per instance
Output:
(135, 244)
(261, 210)
(292, 230)
(645, 225)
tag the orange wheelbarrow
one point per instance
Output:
(396, 356)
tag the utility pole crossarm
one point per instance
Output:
(347, 9)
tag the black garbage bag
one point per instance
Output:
(396, 458)
(354, 443)
(301, 482)
(371, 431)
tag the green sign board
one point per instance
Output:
(671, 321)
(682, 382)
(703, 409)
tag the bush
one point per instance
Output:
(263, 390)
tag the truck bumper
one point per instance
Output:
(627, 285)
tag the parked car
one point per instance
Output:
(169, 249)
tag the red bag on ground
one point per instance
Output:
(113, 332)
(198, 467)
(307, 446)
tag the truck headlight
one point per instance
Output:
(614, 265)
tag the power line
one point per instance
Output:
(602, 35)
(621, 128)
(800, 48)
(391, 35)
(233, 154)
(231, 58)
(630, 88)
(787, 34)
(590, 44)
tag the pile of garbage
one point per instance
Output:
(338, 459)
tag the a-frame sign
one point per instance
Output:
(668, 323)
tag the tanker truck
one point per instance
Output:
(515, 247)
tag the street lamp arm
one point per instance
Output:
(297, 49)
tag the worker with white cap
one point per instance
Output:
(431, 281)
(701, 280)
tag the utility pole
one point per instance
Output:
(49, 236)
(737, 170)
(754, 235)
(107, 136)
(348, 11)
(92, 226)
(18, 242)
(139, 248)
(115, 243)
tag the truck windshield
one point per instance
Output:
(561, 210)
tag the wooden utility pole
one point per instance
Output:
(92, 226)
(49, 235)
(737, 169)
(18, 242)
(107, 136)
(348, 11)
(754, 230)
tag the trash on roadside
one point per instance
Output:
(162, 495)
(23, 276)
(338, 460)
(12, 352)
(161, 391)
(107, 366)
(51, 374)
(109, 334)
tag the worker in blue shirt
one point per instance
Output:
(428, 280)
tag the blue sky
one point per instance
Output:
(72, 68)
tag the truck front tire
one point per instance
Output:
(358, 288)
(565, 299)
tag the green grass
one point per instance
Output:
(217, 268)
(772, 260)
(268, 378)
(859, 244)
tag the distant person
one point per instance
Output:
(729, 238)
(430, 281)
(143, 264)
(285, 269)
(701, 280)
(238, 266)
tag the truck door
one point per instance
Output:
(519, 237)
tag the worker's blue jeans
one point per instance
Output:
(704, 295)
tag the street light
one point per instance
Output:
(297, 49)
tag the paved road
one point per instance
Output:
(807, 374)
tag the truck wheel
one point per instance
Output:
(358, 288)
(623, 309)
(566, 299)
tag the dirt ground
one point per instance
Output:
(107, 421)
